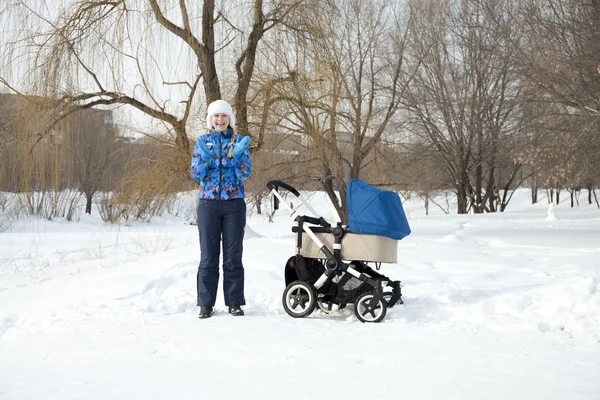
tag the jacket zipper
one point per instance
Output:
(220, 163)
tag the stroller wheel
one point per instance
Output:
(299, 299)
(325, 306)
(329, 306)
(366, 312)
(387, 296)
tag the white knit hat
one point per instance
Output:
(219, 107)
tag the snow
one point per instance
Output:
(497, 306)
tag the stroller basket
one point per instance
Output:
(339, 291)
(330, 267)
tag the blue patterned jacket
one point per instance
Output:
(221, 178)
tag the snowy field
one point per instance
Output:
(503, 306)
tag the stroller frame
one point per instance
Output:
(308, 291)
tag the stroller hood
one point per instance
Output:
(375, 211)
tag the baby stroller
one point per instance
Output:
(331, 267)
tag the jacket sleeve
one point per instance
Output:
(198, 168)
(243, 168)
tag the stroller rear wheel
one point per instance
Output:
(325, 306)
(367, 312)
(329, 306)
(299, 299)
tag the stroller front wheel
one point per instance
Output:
(365, 311)
(299, 299)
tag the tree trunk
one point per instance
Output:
(206, 57)
(462, 192)
(245, 67)
(182, 142)
(258, 204)
(504, 201)
(478, 206)
(572, 198)
(88, 202)
(328, 186)
(534, 189)
(461, 196)
(491, 188)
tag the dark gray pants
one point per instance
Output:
(221, 220)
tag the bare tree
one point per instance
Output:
(341, 85)
(150, 55)
(91, 141)
(421, 170)
(464, 96)
(557, 48)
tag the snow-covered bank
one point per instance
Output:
(497, 306)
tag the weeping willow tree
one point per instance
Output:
(164, 59)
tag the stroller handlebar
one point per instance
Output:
(276, 184)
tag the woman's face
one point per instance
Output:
(220, 122)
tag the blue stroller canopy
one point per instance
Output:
(375, 211)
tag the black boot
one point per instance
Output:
(205, 312)
(236, 311)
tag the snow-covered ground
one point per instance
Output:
(497, 306)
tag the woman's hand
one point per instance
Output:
(204, 153)
(239, 147)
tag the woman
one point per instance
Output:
(220, 164)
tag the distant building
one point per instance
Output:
(33, 147)
(25, 118)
